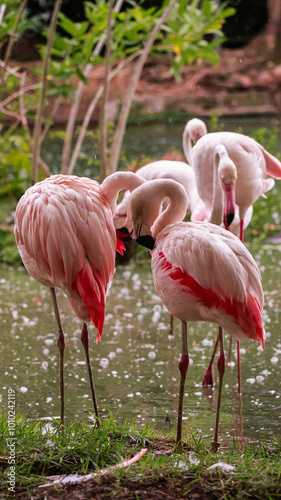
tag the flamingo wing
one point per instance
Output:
(65, 231)
(214, 268)
(273, 165)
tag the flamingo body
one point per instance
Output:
(253, 163)
(189, 265)
(62, 227)
(162, 169)
(201, 272)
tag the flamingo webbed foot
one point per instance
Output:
(214, 446)
(209, 377)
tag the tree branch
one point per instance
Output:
(78, 95)
(41, 106)
(123, 117)
(90, 111)
(11, 44)
(103, 123)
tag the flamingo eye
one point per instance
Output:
(139, 212)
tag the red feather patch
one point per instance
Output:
(95, 302)
(120, 247)
(247, 314)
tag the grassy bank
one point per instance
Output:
(252, 470)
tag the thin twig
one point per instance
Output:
(78, 95)
(2, 11)
(18, 93)
(90, 111)
(103, 123)
(22, 108)
(10, 44)
(51, 119)
(123, 117)
(41, 106)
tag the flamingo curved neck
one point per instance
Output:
(176, 209)
(216, 216)
(186, 145)
(114, 183)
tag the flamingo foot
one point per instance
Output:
(209, 377)
(179, 448)
(214, 446)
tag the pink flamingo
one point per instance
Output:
(189, 264)
(252, 163)
(193, 131)
(162, 169)
(170, 169)
(66, 238)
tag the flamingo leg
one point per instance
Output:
(171, 324)
(221, 367)
(183, 367)
(242, 230)
(61, 345)
(238, 343)
(85, 342)
(230, 349)
(209, 377)
(239, 390)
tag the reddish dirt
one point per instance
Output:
(246, 81)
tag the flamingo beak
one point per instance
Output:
(229, 202)
(143, 237)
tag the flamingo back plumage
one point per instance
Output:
(66, 238)
(204, 273)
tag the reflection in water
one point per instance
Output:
(136, 364)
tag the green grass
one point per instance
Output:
(43, 451)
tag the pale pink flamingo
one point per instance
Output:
(66, 238)
(252, 163)
(193, 131)
(162, 169)
(190, 262)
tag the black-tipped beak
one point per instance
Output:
(146, 241)
(229, 218)
(125, 234)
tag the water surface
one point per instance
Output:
(136, 363)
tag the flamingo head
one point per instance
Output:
(196, 128)
(227, 174)
(121, 211)
(229, 201)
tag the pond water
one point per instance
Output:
(136, 363)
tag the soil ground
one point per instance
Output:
(245, 82)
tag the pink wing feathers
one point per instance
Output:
(273, 165)
(216, 272)
(66, 237)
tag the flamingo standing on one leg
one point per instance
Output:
(66, 238)
(189, 264)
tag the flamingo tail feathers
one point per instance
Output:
(89, 286)
(120, 247)
(273, 165)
